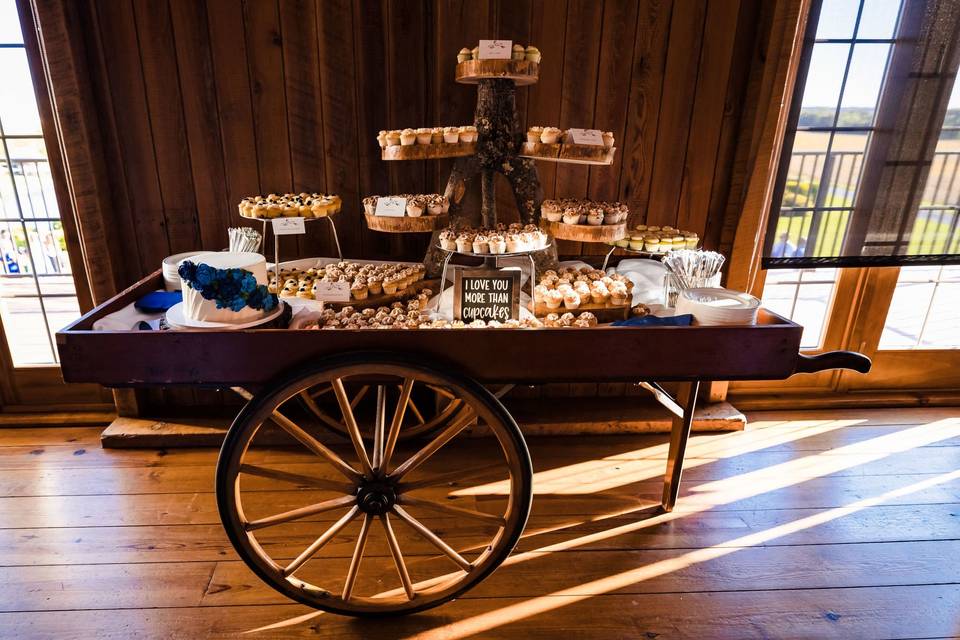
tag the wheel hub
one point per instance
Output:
(376, 498)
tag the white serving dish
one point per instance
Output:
(714, 306)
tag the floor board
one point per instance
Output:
(840, 524)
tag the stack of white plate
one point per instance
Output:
(171, 278)
(716, 306)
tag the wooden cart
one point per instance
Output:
(368, 479)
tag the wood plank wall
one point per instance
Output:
(201, 103)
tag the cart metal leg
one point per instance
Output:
(679, 434)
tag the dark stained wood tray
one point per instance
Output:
(768, 350)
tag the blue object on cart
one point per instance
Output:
(158, 301)
(653, 321)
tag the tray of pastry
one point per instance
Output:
(584, 289)
(427, 143)
(309, 206)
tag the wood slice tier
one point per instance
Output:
(406, 224)
(522, 72)
(604, 312)
(584, 232)
(569, 153)
(428, 151)
(305, 219)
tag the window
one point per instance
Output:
(804, 296)
(37, 294)
(924, 313)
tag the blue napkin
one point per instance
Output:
(653, 321)
(158, 301)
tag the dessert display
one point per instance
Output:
(502, 239)
(571, 288)
(584, 220)
(427, 142)
(364, 279)
(290, 205)
(430, 204)
(657, 239)
(225, 288)
(522, 65)
(551, 143)
(410, 315)
(518, 53)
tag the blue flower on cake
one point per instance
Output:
(232, 289)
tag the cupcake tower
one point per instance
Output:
(309, 206)
(422, 213)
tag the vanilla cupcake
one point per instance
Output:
(448, 240)
(666, 244)
(571, 216)
(370, 204)
(595, 217)
(513, 243)
(589, 318)
(390, 285)
(451, 135)
(393, 138)
(651, 244)
(532, 54)
(414, 207)
(481, 244)
(599, 294)
(540, 293)
(618, 293)
(519, 53)
(476, 52)
(534, 133)
(553, 299)
(550, 135)
(436, 135)
(571, 300)
(408, 137)
(691, 240)
(551, 211)
(607, 139)
(423, 136)
(359, 290)
(464, 55)
(464, 243)
(435, 205)
(382, 139)
(497, 244)
(467, 135)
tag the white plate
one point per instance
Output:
(177, 320)
(717, 306)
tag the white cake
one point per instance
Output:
(195, 307)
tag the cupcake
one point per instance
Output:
(551, 320)
(476, 52)
(651, 244)
(423, 136)
(532, 54)
(666, 244)
(481, 244)
(618, 293)
(550, 135)
(497, 244)
(468, 134)
(571, 300)
(551, 211)
(451, 135)
(624, 243)
(571, 216)
(519, 53)
(513, 243)
(553, 299)
(359, 290)
(464, 55)
(436, 135)
(691, 240)
(589, 318)
(382, 139)
(390, 285)
(464, 243)
(414, 207)
(534, 133)
(607, 139)
(435, 205)
(540, 293)
(566, 320)
(393, 138)
(370, 204)
(599, 293)
(595, 217)
(408, 137)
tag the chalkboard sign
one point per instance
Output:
(486, 295)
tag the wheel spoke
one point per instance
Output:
(416, 411)
(444, 478)
(443, 392)
(445, 436)
(296, 478)
(397, 557)
(357, 557)
(327, 389)
(360, 394)
(320, 542)
(302, 512)
(378, 427)
(432, 538)
(307, 440)
(352, 427)
(394, 433)
(457, 511)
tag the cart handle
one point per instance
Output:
(833, 360)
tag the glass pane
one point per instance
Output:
(879, 18)
(943, 319)
(862, 90)
(905, 317)
(9, 23)
(61, 312)
(837, 19)
(804, 297)
(18, 104)
(821, 95)
(13, 249)
(47, 249)
(34, 181)
(26, 331)
(924, 312)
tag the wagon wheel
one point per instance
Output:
(402, 525)
(417, 420)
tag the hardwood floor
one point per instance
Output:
(841, 524)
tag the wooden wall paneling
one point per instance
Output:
(339, 92)
(268, 90)
(234, 102)
(646, 85)
(676, 110)
(126, 106)
(617, 36)
(734, 109)
(548, 23)
(464, 25)
(369, 52)
(511, 19)
(578, 90)
(170, 143)
(191, 36)
(713, 72)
